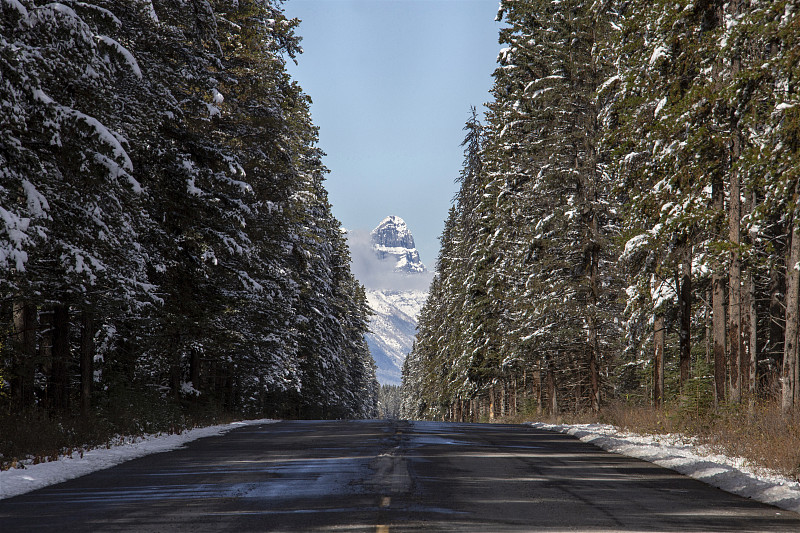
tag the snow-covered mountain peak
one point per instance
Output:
(393, 232)
(392, 240)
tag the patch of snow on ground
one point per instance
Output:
(678, 453)
(16, 481)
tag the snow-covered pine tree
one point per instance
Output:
(555, 188)
(254, 95)
(688, 110)
(159, 170)
(765, 94)
(68, 167)
(437, 380)
(662, 137)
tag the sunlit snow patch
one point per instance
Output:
(730, 474)
(18, 481)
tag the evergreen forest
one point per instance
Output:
(166, 241)
(627, 226)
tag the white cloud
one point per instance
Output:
(376, 274)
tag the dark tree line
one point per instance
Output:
(628, 222)
(164, 228)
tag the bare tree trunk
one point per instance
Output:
(45, 354)
(777, 314)
(491, 403)
(789, 387)
(749, 321)
(744, 369)
(594, 343)
(686, 314)
(514, 395)
(594, 371)
(707, 322)
(587, 167)
(87, 361)
(718, 305)
(503, 398)
(194, 369)
(59, 373)
(752, 361)
(22, 387)
(735, 288)
(658, 360)
(537, 382)
(552, 391)
(175, 367)
(737, 348)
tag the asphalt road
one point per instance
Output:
(382, 476)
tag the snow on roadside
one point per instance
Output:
(16, 481)
(700, 462)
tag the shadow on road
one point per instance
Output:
(387, 476)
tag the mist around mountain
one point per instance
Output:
(379, 266)
(388, 264)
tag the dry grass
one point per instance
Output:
(37, 437)
(760, 433)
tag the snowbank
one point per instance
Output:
(678, 453)
(18, 481)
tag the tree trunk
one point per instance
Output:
(718, 305)
(718, 327)
(735, 289)
(491, 404)
(46, 331)
(503, 398)
(87, 361)
(594, 343)
(749, 320)
(594, 371)
(789, 387)
(707, 322)
(749, 343)
(658, 360)
(551, 391)
(59, 373)
(22, 379)
(587, 167)
(513, 399)
(175, 368)
(752, 359)
(777, 314)
(685, 339)
(194, 369)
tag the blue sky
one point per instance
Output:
(392, 82)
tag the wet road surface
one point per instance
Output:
(383, 476)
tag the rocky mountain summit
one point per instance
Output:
(392, 241)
